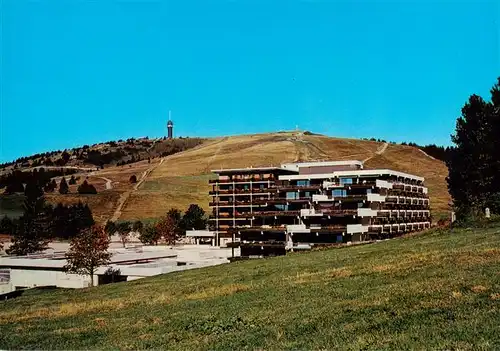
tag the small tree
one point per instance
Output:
(63, 186)
(137, 226)
(72, 180)
(6, 226)
(149, 235)
(88, 250)
(33, 230)
(110, 228)
(123, 230)
(65, 156)
(194, 218)
(86, 188)
(133, 179)
(169, 227)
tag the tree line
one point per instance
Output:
(15, 181)
(42, 222)
(168, 228)
(24, 182)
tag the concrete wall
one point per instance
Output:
(32, 278)
(5, 288)
(327, 169)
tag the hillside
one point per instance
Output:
(182, 178)
(438, 290)
(88, 158)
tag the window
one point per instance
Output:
(303, 183)
(339, 193)
(291, 195)
(282, 207)
(5, 275)
(307, 194)
(368, 191)
(246, 186)
(345, 181)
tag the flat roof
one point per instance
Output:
(200, 233)
(251, 170)
(323, 163)
(58, 261)
(353, 173)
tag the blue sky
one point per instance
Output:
(79, 72)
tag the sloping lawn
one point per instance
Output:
(439, 290)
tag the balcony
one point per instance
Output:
(267, 214)
(242, 180)
(243, 191)
(298, 187)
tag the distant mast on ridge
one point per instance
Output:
(170, 127)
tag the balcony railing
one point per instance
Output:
(298, 187)
(267, 214)
(243, 191)
(242, 180)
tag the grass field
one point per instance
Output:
(438, 290)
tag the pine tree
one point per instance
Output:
(110, 228)
(34, 228)
(137, 226)
(63, 186)
(7, 226)
(473, 163)
(72, 180)
(194, 218)
(86, 188)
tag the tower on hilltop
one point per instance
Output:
(170, 127)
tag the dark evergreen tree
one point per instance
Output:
(32, 189)
(63, 186)
(86, 188)
(7, 226)
(72, 180)
(34, 228)
(194, 218)
(474, 163)
(137, 226)
(65, 156)
(110, 228)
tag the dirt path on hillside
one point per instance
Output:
(124, 196)
(305, 150)
(109, 186)
(379, 151)
(426, 154)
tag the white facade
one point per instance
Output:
(47, 269)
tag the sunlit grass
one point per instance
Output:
(438, 290)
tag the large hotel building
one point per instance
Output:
(269, 210)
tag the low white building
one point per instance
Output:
(20, 272)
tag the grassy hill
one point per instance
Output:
(438, 290)
(182, 178)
